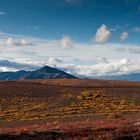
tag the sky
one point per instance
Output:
(83, 37)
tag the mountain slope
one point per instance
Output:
(42, 73)
(48, 73)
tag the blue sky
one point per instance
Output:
(83, 37)
(77, 18)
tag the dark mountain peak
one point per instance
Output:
(45, 68)
(48, 69)
(48, 72)
(45, 72)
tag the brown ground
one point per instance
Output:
(69, 109)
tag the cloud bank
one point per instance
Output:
(81, 59)
(103, 68)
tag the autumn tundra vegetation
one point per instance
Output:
(69, 109)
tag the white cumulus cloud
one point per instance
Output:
(9, 41)
(66, 42)
(103, 34)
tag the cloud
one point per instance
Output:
(136, 29)
(24, 42)
(102, 59)
(100, 68)
(66, 42)
(84, 59)
(123, 36)
(134, 50)
(10, 41)
(102, 34)
(2, 13)
(11, 65)
(112, 67)
(129, 49)
(53, 61)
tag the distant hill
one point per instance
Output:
(42, 73)
(127, 77)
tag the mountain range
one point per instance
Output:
(48, 72)
(42, 73)
(126, 77)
